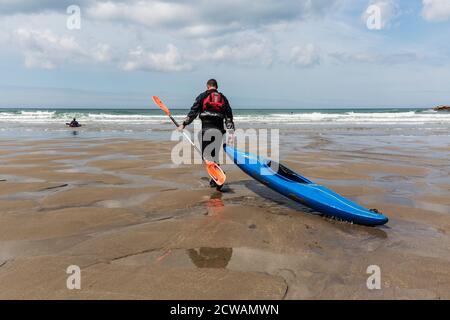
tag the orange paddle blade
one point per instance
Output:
(161, 104)
(215, 172)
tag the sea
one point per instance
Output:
(152, 123)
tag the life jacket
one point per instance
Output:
(214, 102)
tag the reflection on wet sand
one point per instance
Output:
(210, 257)
(215, 204)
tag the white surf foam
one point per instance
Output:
(409, 117)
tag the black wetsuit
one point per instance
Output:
(212, 123)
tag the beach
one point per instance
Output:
(140, 227)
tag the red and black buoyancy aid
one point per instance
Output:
(214, 102)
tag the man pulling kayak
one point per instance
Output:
(214, 110)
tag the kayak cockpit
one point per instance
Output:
(287, 173)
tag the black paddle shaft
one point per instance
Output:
(187, 137)
(174, 121)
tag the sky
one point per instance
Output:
(264, 53)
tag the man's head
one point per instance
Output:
(74, 119)
(212, 84)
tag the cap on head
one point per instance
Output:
(212, 83)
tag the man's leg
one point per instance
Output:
(211, 144)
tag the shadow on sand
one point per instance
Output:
(269, 194)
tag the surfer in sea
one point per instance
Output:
(74, 123)
(214, 111)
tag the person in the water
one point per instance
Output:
(74, 123)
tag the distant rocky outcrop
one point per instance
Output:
(442, 108)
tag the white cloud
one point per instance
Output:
(247, 51)
(305, 56)
(201, 18)
(389, 11)
(239, 49)
(255, 33)
(44, 49)
(147, 13)
(376, 58)
(239, 32)
(168, 61)
(36, 6)
(436, 10)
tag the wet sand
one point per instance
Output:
(141, 228)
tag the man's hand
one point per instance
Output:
(180, 127)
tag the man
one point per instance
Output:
(74, 123)
(213, 109)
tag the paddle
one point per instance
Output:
(213, 169)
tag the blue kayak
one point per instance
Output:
(300, 189)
